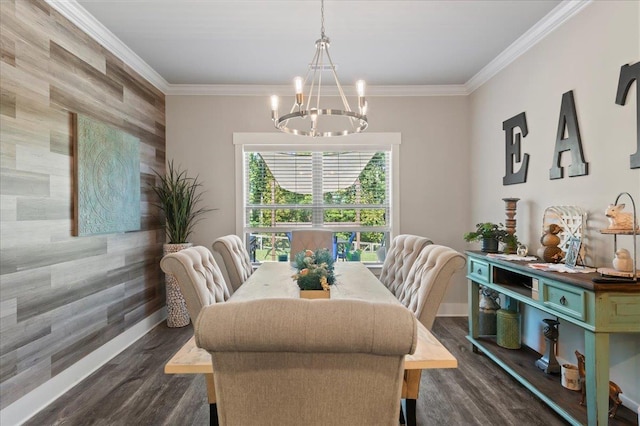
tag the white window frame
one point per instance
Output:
(381, 141)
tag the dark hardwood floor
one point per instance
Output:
(133, 390)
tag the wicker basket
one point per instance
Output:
(508, 329)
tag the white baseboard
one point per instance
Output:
(453, 310)
(27, 406)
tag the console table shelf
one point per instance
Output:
(520, 364)
(599, 309)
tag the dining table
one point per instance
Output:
(353, 280)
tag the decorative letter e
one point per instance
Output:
(512, 150)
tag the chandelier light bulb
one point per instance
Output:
(298, 84)
(274, 108)
(360, 88)
(299, 96)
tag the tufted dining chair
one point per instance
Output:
(236, 259)
(427, 281)
(311, 239)
(275, 364)
(199, 278)
(403, 251)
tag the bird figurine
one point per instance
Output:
(622, 262)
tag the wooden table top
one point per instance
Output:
(353, 281)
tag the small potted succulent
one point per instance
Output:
(491, 234)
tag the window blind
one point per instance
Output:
(347, 190)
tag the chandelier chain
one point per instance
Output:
(322, 18)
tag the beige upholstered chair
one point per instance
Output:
(403, 251)
(307, 362)
(427, 281)
(311, 239)
(199, 278)
(236, 259)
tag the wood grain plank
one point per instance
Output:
(59, 252)
(65, 296)
(15, 182)
(72, 39)
(8, 103)
(7, 208)
(23, 382)
(73, 69)
(8, 51)
(7, 155)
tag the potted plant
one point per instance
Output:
(315, 273)
(491, 234)
(353, 256)
(178, 199)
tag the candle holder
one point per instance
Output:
(510, 222)
(548, 362)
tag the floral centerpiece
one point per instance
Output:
(315, 269)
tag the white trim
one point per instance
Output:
(29, 405)
(558, 16)
(287, 90)
(79, 16)
(284, 141)
(453, 310)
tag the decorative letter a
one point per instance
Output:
(629, 73)
(573, 143)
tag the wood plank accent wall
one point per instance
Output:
(62, 297)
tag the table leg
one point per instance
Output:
(211, 397)
(410, 389)
(596, 347)
(213, 415)
(410, 404)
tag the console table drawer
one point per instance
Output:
(566, 299)
(478, 270)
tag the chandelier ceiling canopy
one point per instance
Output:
(308, 117)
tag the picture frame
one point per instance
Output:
(573, 251)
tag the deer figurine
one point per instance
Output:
(614, 389)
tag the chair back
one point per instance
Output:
(236, 259)
(311, 239)
(403, 251)
(200, 280)
(307, 362)
(425, 286)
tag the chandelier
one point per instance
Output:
(307, 117)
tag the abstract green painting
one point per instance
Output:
(107, 178)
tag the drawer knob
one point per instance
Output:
(563, 300)
(479, 271)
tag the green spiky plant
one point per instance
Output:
(178, 197)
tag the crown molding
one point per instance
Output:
(282, 90)
(79, 16)
(558, 16)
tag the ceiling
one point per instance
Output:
(268, 42)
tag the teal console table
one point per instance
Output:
(600, 309)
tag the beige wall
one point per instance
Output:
(434, 161)
(584, 55)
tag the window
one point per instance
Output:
(346, 188)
